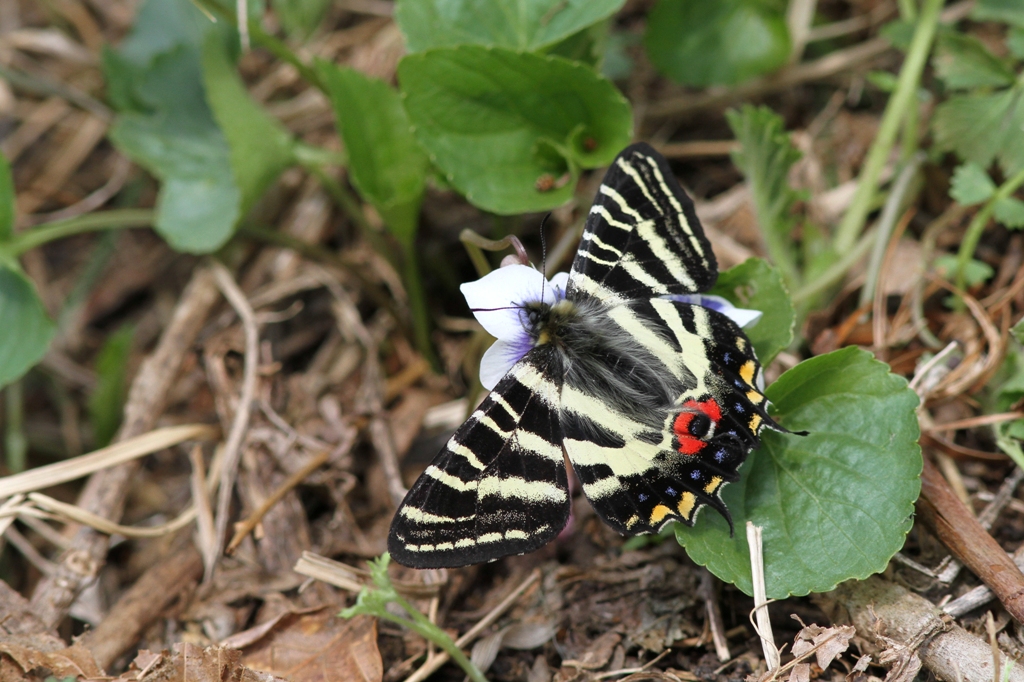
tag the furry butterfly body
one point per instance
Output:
(654, 396)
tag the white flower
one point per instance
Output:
(498, 299)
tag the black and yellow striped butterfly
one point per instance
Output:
(655, 399)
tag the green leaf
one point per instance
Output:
(526, 25)
(962, 62)
(1010, 212)
(30, 329)
(899, 33)
(1015, 42)
(259, 146)
(511, 130)
(886, 81)
(6, 200)
(835, 504)
(716, 43)
(586, 46)
(765, 156)
(177, 139)
(300, 17)
(971, 184)
(1007, 11)
(106, 403)
(756, 285)
(161, 26)
(981, 127)
(975, 272)
(1018, 330)
(386, 164)
(159, 80)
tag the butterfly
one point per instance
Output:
(655, 398)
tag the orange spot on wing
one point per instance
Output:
(688, 443)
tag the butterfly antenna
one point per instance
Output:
(543, 255)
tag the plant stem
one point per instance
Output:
(887, 221)
(418, 306)
(902, 99)
(837, 271)
(14, 437)
(353, 209)
(263, 39)
(908, 10)
(422, 626)
(977, 226)
(91, 222)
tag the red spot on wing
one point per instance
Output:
(688, 443)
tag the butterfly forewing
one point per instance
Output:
(642, 238)
(499, 485)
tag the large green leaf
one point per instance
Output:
(981, 127)
(6, 200)
(835, 504)
(386, 164)
(159, 80)
(29, 329)
(517, 24)
(177, 139)
(756, 285)
(724, 42)
(259, 146)
(511, 130)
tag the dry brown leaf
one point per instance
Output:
(598, 653)
(827, 643)
(27, 654)
(801, 673)
(193, 663)
(320, 647)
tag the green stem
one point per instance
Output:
(418, 306)
(14, 437)
(835, 273)
(423, 627)
(263, 39)
(352, 207)
(282, 52)
(908, 10)
(895, 112)
(91, 222)
(977, 226)
(887, 222)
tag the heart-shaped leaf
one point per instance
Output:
(386, 164)
(724, 42)
(186, 118)
(835, 504)
(526, 25)
(511, 130)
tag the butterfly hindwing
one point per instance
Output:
(642, 238)
(499, 486)
(641, 470)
